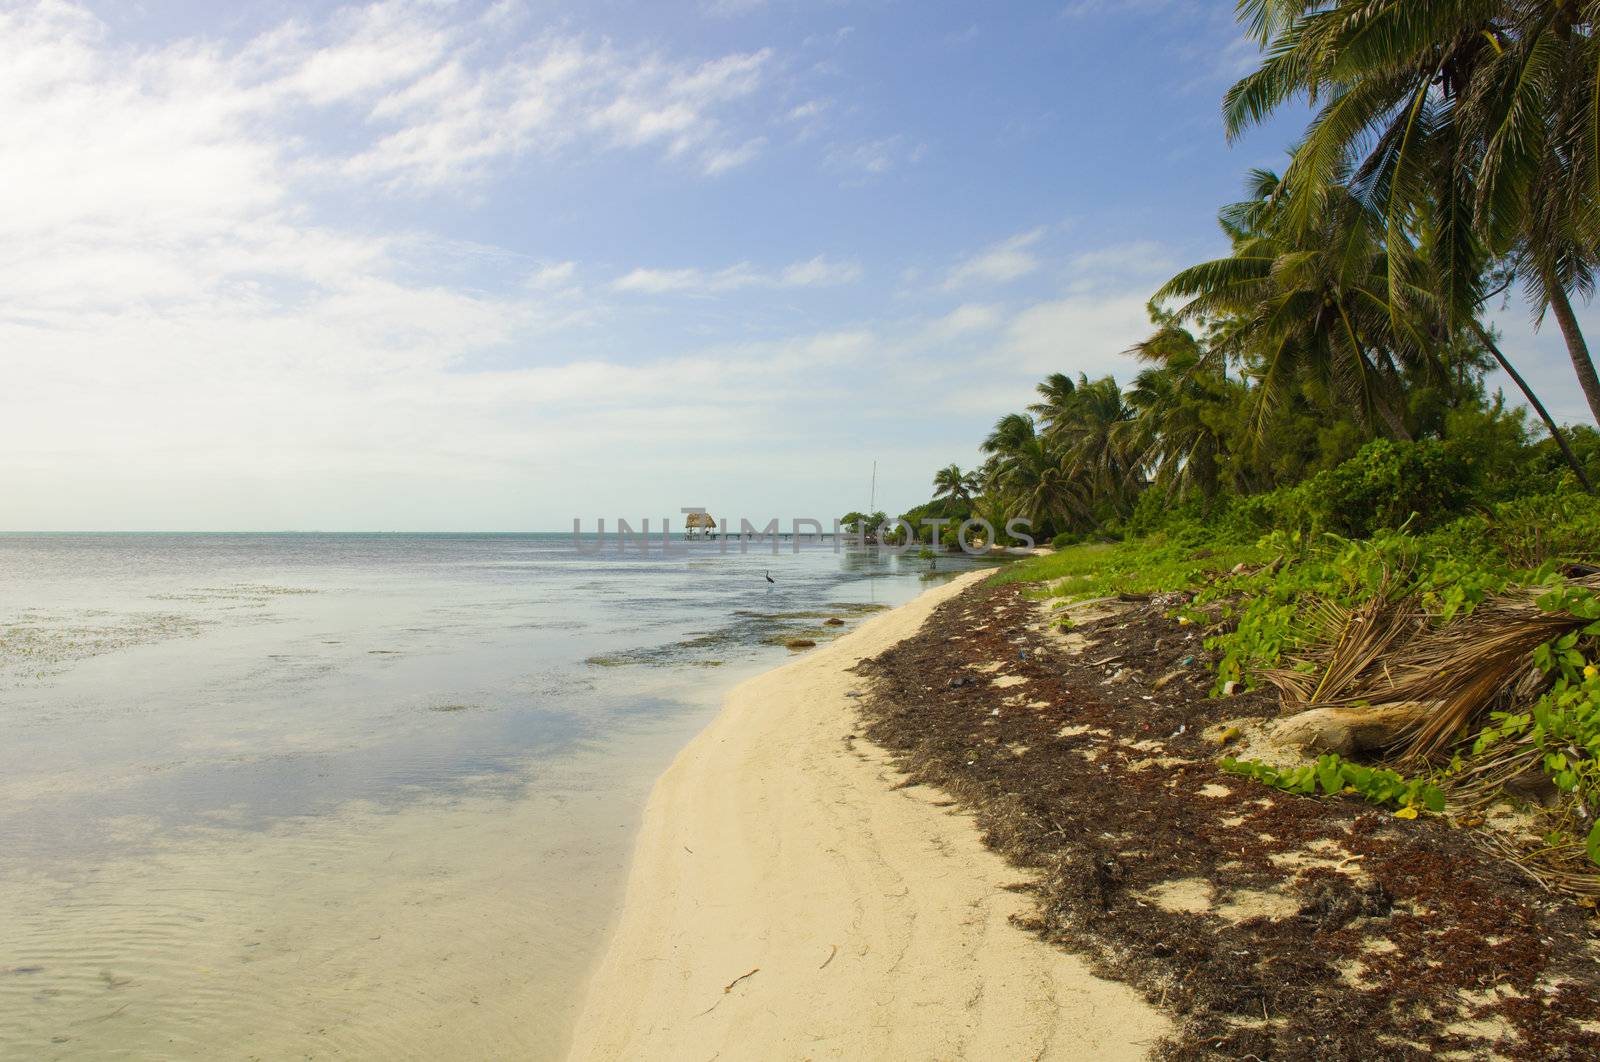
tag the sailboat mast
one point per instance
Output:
(872, 505)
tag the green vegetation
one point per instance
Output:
(1560, 732)
(1328, 374)
(1334, 775)
(1310, 452)
(1282, 607)
(1261, 589)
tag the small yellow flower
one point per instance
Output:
(1591, 671)
(1406, 813)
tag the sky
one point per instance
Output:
(416, 265)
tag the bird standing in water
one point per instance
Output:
(770, 579)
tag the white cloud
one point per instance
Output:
(809, 118)
(176, 179)
(1079, 333)
(816, 272)
(730, 158)
(552, 276)
(966, 319)
(807, 110)
(439, 106)
(662, 281)
(453, 122)
(819, 272)
(999, 264)
(1142, 259)
(874, 157)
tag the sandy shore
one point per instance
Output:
(786, 901)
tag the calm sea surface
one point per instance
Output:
(350, 796)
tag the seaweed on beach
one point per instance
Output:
(1268, 925)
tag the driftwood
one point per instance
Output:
(1350, 730)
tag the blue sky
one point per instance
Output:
(435, 266)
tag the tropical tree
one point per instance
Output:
(1095, 444)
(1044, 489)
(1483, 114)
(1056, 395)
(1010, 433)
(1184, 411)
(950, 482)
(1303, 300)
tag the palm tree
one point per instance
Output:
(1183, 408)
(950, 482)
(1303, 299)
(1057, 392)
(1483, 112)
(1036, 478)
(1092, 434)
(1010, 432)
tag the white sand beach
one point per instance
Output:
(786, 900)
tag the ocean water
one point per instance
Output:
(351, 796)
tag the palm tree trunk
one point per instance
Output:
(1384, 404)
(1533, 400)
(1391, 418)
(1577, 349)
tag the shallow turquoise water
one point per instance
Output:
(191, 720)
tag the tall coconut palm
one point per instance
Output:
(1486, 109)
(1048, 493)
(1305, 301)
(1010, 432)
(1091, 432)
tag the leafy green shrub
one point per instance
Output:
(1386, 485)
(1491, 442)
(1245, 519)
(1376, 785)
(1529, 531)
(1155, 511)
(1548, 469)
(1563, 726)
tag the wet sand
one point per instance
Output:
(786, 900)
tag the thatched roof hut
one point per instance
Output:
(698, 520)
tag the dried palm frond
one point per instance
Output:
(1372, 630)
(1348, 642)
(1382, 676)
(1562, 869)
(1464, 667)
(1387, 652)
